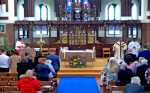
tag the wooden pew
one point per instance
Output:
(117, 89)
(8, 83)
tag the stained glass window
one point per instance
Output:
(69, 10)
(74, 10)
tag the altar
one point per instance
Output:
(88, 54)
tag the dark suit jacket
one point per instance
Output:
(141, 73)
(124, 77)
(42, 71)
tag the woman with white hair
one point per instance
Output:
(28, 83)
(111, 69)
(135, 86)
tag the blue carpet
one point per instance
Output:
(77, 85)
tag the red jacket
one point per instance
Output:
(28, 85)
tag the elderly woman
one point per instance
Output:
(28, 83)
(134, 86)
(110, 71)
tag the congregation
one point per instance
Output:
(31, 67)
(131, 70)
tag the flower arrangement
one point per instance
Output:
(77, 62)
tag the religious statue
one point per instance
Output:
(119, 49)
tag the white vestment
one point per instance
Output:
(119, 48)
(134, 47)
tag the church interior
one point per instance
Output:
(74, 46)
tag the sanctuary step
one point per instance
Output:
(95, 74)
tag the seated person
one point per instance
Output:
(28, 83)
(42, 70)
(134, 86)
(55, 60)
(111, 70)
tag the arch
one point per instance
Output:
(44, 12)
(2, 9)
(118, 12)
(37, 12)
(134, 12)
(21, 11)
(41, 12)
(113, 12)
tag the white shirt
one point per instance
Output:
(4, 61)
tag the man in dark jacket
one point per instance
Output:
(55, 60)
(42, 70)
(124, 75)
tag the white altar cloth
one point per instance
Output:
(88, 54)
